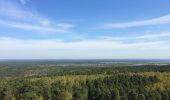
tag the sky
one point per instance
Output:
(84, 29)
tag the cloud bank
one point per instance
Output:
(58, 49)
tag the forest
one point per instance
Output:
(52, 82)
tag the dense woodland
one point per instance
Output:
(50, 82)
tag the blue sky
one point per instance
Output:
(84, 29)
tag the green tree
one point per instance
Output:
(141, 97)
(133, 95)
(29, 96)
(115, 93)
(165, 96)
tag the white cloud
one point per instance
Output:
(35, 27)
(11, 9)
(23, 2)
(139, 37)
(66, 25)
(154, 21)
(14, 15)
(151, 36)
(18, 48)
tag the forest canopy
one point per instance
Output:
(45, 82)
